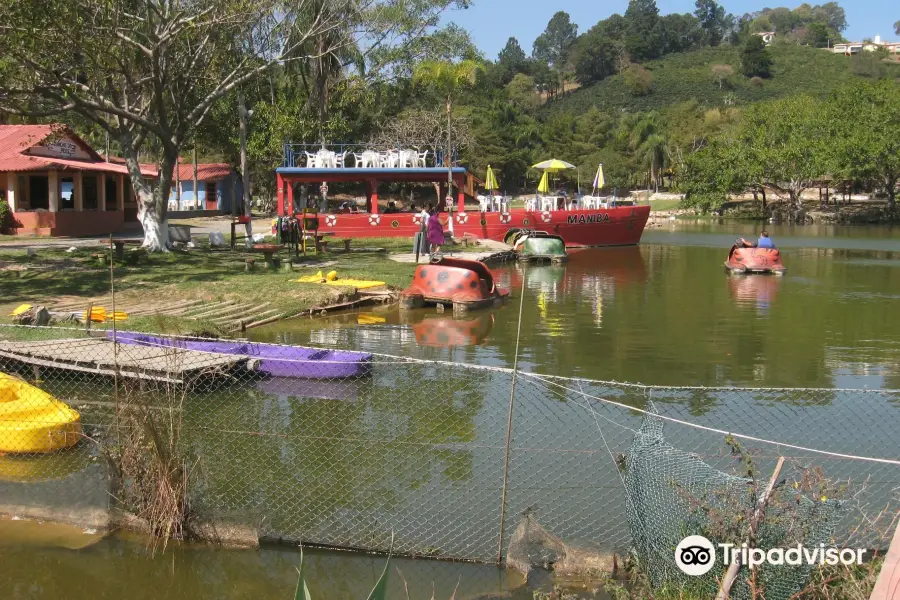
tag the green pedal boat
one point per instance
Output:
(537, 246)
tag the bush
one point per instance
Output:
(757, 81)
(6, 217)
(639, 80)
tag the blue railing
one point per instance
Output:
(303, 155)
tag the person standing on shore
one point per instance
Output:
(435, 226)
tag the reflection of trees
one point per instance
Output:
(327, 470)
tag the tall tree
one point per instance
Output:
(594, 57)
(447, 79)
(713, 21)
(511, 60)
(555, 45)
(897, 27)
(755, 58)
(643, 40)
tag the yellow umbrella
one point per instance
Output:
(553, 165)
(544, 185)
(599, 180)
(490, 182)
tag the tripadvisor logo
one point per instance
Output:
(695, 555)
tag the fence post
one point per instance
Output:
(509, 420)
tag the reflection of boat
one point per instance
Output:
(32, 421)
(754, 291)
(446, 332)
(466, 284)
(34, 468)
(754, 260)
(287, 387)
(536, 246)
(624, 265)
(281, 361)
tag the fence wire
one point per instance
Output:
(341, 448)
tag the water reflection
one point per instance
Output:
(755, 291)
(447, 331)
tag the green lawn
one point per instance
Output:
(199, 273)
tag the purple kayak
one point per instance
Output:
(280, 361)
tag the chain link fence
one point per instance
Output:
(345, 449)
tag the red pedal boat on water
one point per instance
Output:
(742, 259)
(466, 284)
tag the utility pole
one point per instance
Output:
(243, 113)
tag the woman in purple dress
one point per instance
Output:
(435, 230)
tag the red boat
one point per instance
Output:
(754, 260)
(620, 226)
(466, 284)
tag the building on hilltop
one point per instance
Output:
(767, 36)
(851, 48)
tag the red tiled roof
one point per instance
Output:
(16, 139)
(205, 172)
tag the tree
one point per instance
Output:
(523, 93)
(897, 28)
(786, 144)
(721, 73)
(639, 80)
(867, 146)
(643, 40)
(149, 72)
(555, 43)
(511, 60)
(713, 21)
(832, 15)
(680, 33)
(594, 58)
(755, 58)
(447, 79)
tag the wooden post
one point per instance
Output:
(373, 186)
(101, 192)
(888, 581)
(87, 319)
(12, 179)
(735, 565)
(79, 192)
(279, 183)
(53, 187)
(120, 193)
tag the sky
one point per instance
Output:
(492, 22)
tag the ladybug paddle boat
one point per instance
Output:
(466, 284)
(747, 260)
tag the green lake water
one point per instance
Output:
(663, 313)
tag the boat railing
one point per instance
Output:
(342, 156)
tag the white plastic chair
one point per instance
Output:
(482, 203)
(340, 160)
(548, 203)
(407, 159)
(531, 204)
(422, 159)
(370, 159)
(311, 160)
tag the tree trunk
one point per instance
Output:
(450, 162)
(152, 202)
(245, 173)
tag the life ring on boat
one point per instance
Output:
(374, 220)
(418, 219)
(505, 218)
(546, 217)
(462, 218)
(331, 220)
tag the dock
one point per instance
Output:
(102, 357)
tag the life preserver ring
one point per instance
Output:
(505, 218)
(418, 219)
(462, 218)
(546, 217)
(331, 220)
(374, 220)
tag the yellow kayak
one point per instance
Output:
(33, 421)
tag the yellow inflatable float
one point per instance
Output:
(33, 421)
(332, 279)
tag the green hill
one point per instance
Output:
(688, 76)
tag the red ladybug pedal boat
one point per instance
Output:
(742, 259)
(466, 284)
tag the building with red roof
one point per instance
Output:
(56, 184)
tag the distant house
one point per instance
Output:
(851, 48)
(56, 184)
(767, 36)
(218, 184)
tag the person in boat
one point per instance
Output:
(391, 208)
(435, 227)
(764, 241)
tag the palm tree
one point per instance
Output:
(447, 79)
(647, 140)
